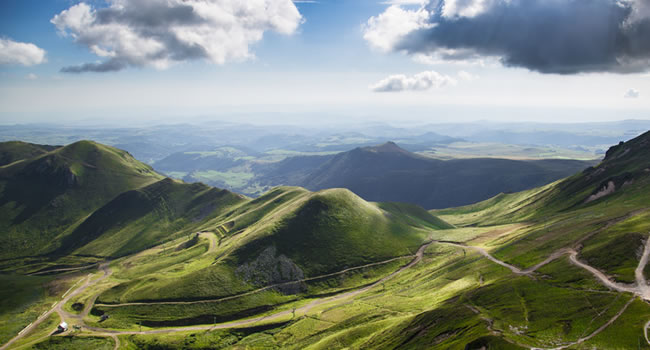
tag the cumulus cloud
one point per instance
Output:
(632, 93)
(26, 54)
(547, 36)
(159, 33)
(385, 31)
(419, 82)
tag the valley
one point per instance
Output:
(546, 268)
(324, 175)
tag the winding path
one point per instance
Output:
(640, 289)
(416, 259)
(114, 333)
(514, 269)
(57, 307)
(217, 300)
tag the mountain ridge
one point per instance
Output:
(389, 173)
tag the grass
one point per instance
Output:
(626, 332)
(25, 298)
(21, 302)
(454, 298)
(70, 342)
(42, 197)
(331, 230)
(38, 334)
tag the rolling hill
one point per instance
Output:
(52, 189)
(562, 266)
(13, 151)
(72, 207)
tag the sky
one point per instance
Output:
(124, 61)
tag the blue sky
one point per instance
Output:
(340, 58)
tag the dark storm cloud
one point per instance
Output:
(547, 36)
(149, 14)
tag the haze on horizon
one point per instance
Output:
(134, 62)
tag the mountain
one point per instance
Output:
(625, 167)
(75, 206)
(53, 189)
(289, 171)
(563, 265)
(390, 173)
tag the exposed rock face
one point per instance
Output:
(604, 191)
(268, 269)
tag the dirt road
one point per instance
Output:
(282, 284)
(512, 268)
(641, 282)
(416, 259)
(58, 306)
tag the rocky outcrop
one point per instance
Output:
(269, 269)
(602, 192)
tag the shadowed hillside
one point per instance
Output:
(13, 151)
(44, 196)
(390, 173)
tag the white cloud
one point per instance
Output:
(632, 93)
(418, 82)
(26, 54)
(159, 33)
(31, 76)
(385, 31)
(464, 8)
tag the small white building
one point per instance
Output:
(63, 327)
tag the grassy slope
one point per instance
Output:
(319, 233)
(142, 218)
(13, 151)
(560, 214)
(453, 299)
(42, 197)
(332, 229)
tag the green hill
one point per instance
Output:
(329, 230)
(139, 219)
(559, 266)
(13, 151)
(42, 197)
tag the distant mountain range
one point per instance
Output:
(390, 173)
